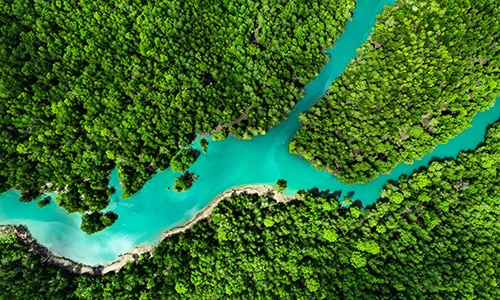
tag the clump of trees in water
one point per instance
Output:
(96, 221)
(184, 182)
(281, 185)
(427, 68)
(87, 85)
(43, 202)
(434, 235)
(204, 145)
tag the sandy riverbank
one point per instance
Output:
(133, 255)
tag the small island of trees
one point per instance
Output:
(44, 202)
(97, 221)
(204, 145)
(184, 182)
(281, 185)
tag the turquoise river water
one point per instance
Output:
(229, 163)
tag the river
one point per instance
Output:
(229, 163)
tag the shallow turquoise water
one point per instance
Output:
(229, 163)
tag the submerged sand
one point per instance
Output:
(132, 256)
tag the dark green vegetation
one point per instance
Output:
(23, 275)
(181, 161)
(281, 185)
(89, 84)
(44, 202)
(435, 235)
(204, 145)
(97, 221)
(184, 182)
(427, 68)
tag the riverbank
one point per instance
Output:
(50, 258)
(231, 162)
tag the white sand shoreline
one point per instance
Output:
(24, 235)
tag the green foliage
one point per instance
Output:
(442, 246)
(184, 159)
(434, 234)
(312, 285)
(44, 202)
(268, 222)
(204, 145)
(425, 71)
(86, 85)
(23, 274)
(97, 221)
(358, 260)
(281, 185)
(220, 135)
(180, 288)
(184, 182)
(330, 235)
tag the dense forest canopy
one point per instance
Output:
(434, 235)
(87, 84)
(75, 99)
(427, 68)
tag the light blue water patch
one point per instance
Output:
(229, 163)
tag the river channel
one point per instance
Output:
(227, 164)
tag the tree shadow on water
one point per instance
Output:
(325, 193)
(357, 203)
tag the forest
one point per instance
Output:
(425, 71)
(87, 85)
(432, 235)
(76, 101)
(97, 221)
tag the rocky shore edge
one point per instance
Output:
(48, 257)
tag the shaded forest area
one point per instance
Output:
(86, 85)
(434, 235)
(427, 68)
